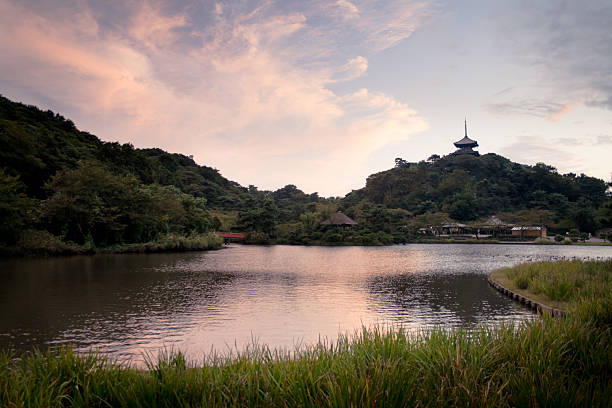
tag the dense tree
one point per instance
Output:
(15, 208)
(261, 217)
(91, 204)
(469, 187)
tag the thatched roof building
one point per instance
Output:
(338, 219)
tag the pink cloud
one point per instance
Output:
(153, 29)
(348, 9)
(240, 95)
(566, 108)
(353, 69)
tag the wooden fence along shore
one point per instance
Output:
(537, 307)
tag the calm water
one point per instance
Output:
(282, 296)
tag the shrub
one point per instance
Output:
(257, 238)
(34, 242)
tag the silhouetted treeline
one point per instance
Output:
(70, 185)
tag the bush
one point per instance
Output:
(257, 238)
(574, 235)
(559, 238)
(34, 242)
(193, 242)
(332, 237)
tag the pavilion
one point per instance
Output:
(465, 145)
(339, 219)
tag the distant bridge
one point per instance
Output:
(231, 236)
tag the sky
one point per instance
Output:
(321, 94)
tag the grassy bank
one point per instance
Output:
(42, 243)
(546, 362)
(577, 286)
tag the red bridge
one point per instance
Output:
(231, 236)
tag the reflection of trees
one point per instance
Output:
(107, 297)
(463, 296)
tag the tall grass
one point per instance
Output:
(545, 362)
(177, 243)
(567, 281)
(42, 243)
(584, 286)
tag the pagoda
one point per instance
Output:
(465, 145)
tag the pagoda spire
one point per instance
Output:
(465, 123)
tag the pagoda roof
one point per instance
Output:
(338, 219)
(466, 142)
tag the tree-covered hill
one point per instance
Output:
(60, 184)
(36, 144)
(467, 188)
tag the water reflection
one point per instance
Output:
(454, 300)
(103, 301)
(129, 304)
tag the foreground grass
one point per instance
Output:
(546, 362)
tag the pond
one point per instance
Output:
(282, 296)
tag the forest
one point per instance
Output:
(63, 190)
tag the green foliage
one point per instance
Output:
(260, 217)
(559, 238)
(91, 204)
(574, 234)
(15, 208)
(133, 195)
(192, 242)
(43, 243)
(89, 201)
(257, 238)
(36, 145)
(567, 281)
(467, 188)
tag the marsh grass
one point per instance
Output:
(42, 243)
(174, 243)
(566, 282)
(542, 363)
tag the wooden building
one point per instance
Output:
(529, 231)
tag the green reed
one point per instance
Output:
(585, 286)
(567, 281)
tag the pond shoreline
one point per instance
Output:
(536, 307)
(47, 247)
(153, 247)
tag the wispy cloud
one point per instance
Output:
(534, 107)
(224, 82)
(353, 69)
(603, 140)
(533, 149)
(569, 43)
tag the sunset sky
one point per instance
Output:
(321, 94)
